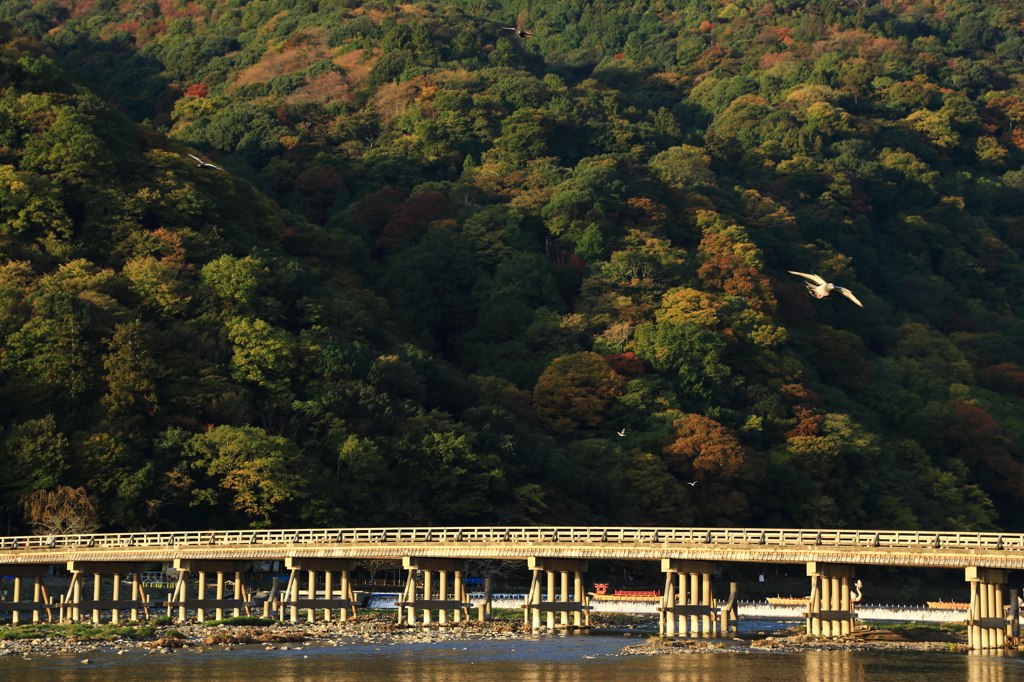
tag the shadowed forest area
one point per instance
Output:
(454, 276)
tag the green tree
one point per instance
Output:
(683, 165)
(262, 354)
(51, 348)
(683, 350)
(131, 372)
(254, 471)
(37, 454)
(31, 205)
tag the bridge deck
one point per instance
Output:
(769, 545)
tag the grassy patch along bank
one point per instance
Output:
(918, 627)
(79, 631)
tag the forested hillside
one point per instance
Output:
(449, 275)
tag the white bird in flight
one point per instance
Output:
(204, 164)
(692, 484)
(622, 432)
(522, 33)
(819, 288)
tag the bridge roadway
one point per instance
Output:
(769, 545)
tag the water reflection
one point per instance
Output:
(580, 660)
(993, 667)
(844, 667)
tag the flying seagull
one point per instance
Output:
(204, 164)
(692, 484)
(622, 432)
(521, 32)
(819, 288)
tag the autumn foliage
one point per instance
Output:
(448, 275)
(574, 391)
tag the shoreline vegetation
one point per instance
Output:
(379, 628)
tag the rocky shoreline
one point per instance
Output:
(380, 630)
(789, 644)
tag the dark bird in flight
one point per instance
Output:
(522, 33)
(819, 288)
(204, 164)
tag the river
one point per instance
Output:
(574, 658)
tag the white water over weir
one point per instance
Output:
(747, 609)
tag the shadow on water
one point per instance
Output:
(568, 659)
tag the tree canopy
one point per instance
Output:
(452, 276)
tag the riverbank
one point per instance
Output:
(863, 639)
(45, 639)
(380, 630)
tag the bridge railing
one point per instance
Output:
(772, 537)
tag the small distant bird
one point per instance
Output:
(819, 288)
(622, 432)
(692, 484)
(204, 164)
(522, 33)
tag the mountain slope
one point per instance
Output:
(448, 266)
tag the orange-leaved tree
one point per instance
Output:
(574, 391)
(62, 511)
(707, 452)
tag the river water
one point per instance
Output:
(573, 658)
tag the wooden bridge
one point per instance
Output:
(687, 555)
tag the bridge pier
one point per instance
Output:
(484, 608)
(202, 603)
(40, 600)
(830, 609)
(986, 622)
(311, 566)
(420, 597)
(691, 606)
(74, 603)
(557, 569)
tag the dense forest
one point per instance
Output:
(449, 275)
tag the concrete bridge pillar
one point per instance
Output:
(344, 600)
(97, 569)
(556, 570)
(40, 600)
(830, 609)
(687, 603)
(417, 596)
(986, 621)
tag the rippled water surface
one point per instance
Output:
(561, 659)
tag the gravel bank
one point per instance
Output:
(366, 629)
(782, 644)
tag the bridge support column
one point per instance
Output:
(690, 609)
(98, 569)
(409, 602)
(484, 608)
(534, 606)
(728, 614)
(830, 609)
(986, 621)
(202, 603)
(345, 601)
(40, 600)
(135, 597)
(115, 613)
(201, 594)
